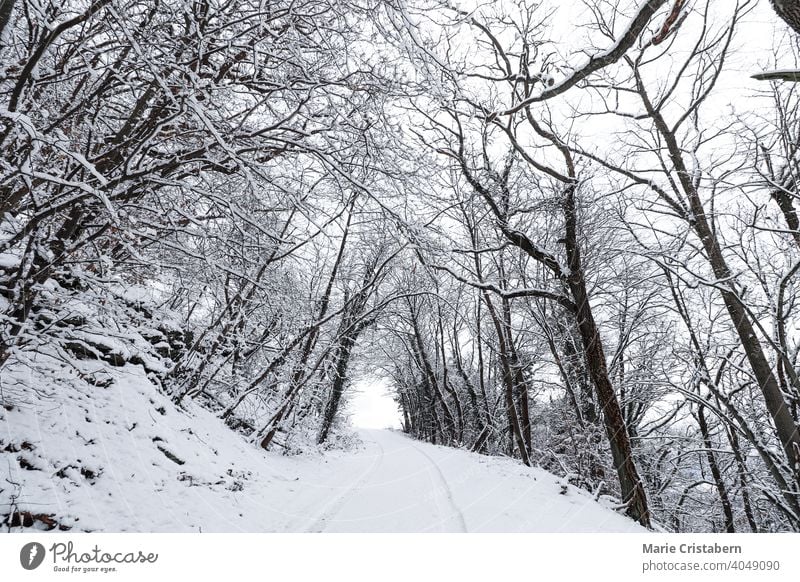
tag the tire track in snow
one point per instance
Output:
(440, 513)
(448, 493)
(330, 511)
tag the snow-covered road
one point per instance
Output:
(125, 459)
(396, 484)
(400, 489)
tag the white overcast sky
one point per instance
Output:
(371, 405)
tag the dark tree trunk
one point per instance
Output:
(743, 475)
(789, 11)
(621, 451)
(458, 421)
(6, 6)
(430, 379)
(633, 492)
(518, 373)
(343, 353)
(727, 510)
(503, 355)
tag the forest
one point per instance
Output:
(561, 232)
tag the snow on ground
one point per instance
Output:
(410, 486)
(118, 456)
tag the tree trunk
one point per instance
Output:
(343, 352)
(727, 510)
(621, 452)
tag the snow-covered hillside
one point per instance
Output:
(120, 456)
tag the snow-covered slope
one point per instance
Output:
(118, 456)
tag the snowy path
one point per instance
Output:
(396, 484)
(128, 468)
(401, 490)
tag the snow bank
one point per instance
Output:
(120, 456)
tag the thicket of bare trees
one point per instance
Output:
(629, 252)
(564, 232)
(216, 154)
